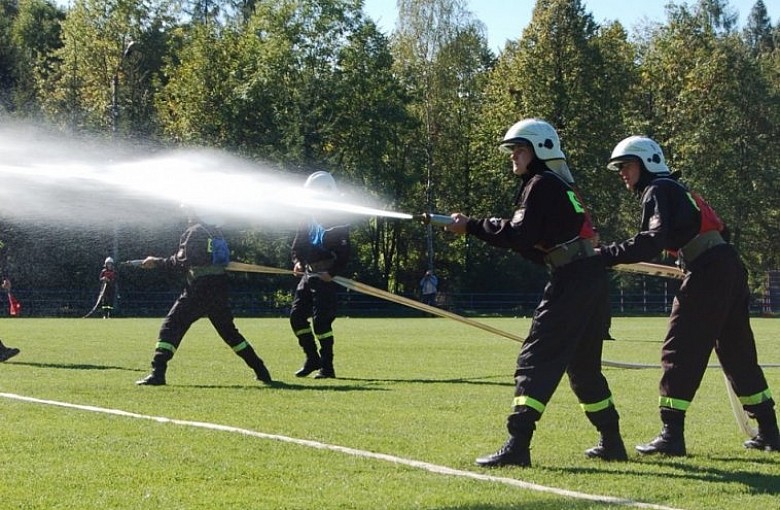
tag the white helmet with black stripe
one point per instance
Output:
(644, 149)
(539, 134)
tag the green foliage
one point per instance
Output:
(412, 120)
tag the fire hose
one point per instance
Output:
(743, 421)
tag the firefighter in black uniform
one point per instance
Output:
(552, 227)
(205, 295)
(711, 308)
(320, 251)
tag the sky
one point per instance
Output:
(507, 23)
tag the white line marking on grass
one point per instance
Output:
(433, 468)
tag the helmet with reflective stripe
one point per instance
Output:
(643, 149)
(540, 135)
(321, 181)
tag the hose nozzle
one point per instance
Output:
(439, 220)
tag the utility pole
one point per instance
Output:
(114, 128)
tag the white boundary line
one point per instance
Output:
(433, 468)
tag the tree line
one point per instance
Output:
(413, 117)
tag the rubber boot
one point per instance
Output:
(254, 362)
(516, 451)
(157, 377)
(312, 362)
(768, 437)
(326, 358)
(610, 446)
(671, 440)
(7, 353)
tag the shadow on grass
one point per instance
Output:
(280, 385)
(460, 380)
(76, 366)
(758, 483)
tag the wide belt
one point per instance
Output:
(567, 253)
(196, 272)
(698, 245)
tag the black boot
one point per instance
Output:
(512, 453)
(326, 358)
(262, 374)
(312, 362)
(670, 441)
(768, 437)
(516, 451)
(156, 378)
(254, 362)
(7, 353)
(610, 447)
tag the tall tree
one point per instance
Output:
(36, 35)
(439, 49)
(101, 67)
(704, 84)
(758, 30)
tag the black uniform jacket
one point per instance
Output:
(322, 246)
(545, 218)
(193, 249)
(669, 221)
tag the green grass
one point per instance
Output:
(427, 389)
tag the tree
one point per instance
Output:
(96, 61)
(704, 84)
(440, 52)
(758, 30)
(36, 35)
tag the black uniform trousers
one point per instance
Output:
(711, 310)
(314, 298)
(566, 336)
(206, 296)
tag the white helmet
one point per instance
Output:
(539, 134)
(642, 148)
(321, 182)
(108, 261)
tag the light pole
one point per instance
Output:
(114, 126)
(115, 88)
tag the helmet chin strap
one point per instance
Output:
(560, 167)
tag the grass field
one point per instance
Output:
(428, 390)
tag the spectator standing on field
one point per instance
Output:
(551, 227)
(202, 255)
(711, 309)
(320, 251)
(429, 285)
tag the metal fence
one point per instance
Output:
(57, 303)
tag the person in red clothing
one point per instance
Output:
(551, 227)
(711, 310)
(108, 282)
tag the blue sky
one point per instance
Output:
(505, 19)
